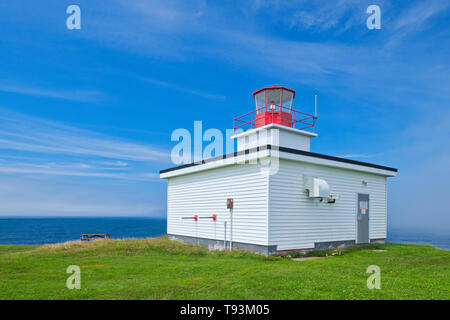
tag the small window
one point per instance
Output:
(363, 206)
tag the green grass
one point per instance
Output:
(160, 269)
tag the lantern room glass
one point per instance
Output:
(260, 101)
(287, 99)
(271, 99)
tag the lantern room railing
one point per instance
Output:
(300, 120)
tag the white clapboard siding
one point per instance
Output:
(296, 221)
(204, 193)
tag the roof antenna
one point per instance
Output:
(315, 105)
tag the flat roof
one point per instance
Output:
(281, 149)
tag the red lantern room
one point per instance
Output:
(273, 104)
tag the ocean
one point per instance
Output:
(53, 230)
(25, 230)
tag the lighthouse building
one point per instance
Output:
(273, 194)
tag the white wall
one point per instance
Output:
(275, 135)
(205, 193)
(297, 221)
(294, 220)
(293, 140)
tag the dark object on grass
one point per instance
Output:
(88, 237)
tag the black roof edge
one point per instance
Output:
(344, 160)
(225, 156)
(282, 149)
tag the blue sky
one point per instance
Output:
(86, 115)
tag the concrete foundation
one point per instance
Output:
(322, 246)
(333, 244)
(213, 244)
(377, 240)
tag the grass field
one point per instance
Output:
(160, 269)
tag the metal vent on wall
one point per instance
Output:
(317, 187)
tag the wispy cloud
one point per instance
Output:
(316, 16)
(419, 14)
(78, 173)
(363, 66)
(167, 15)
(328, 16)
(64, 199)
(50, 168)
(415, 19)
(39, 147)
(63, 94)
(120, 164)
(31, 134)
(180, 88)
